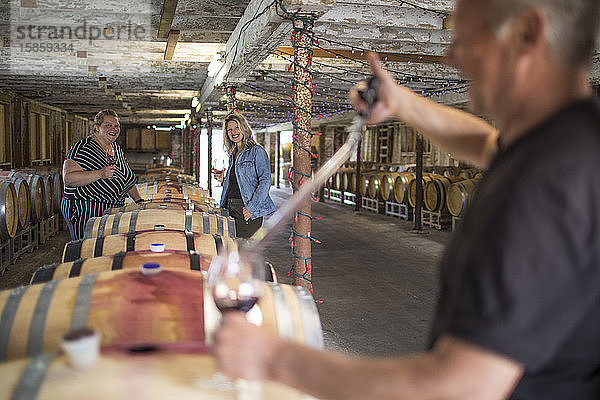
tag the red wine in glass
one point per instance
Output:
(111, 159)
(225, 305)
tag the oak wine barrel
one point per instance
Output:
(49, 197)
(386, 186)
(141, 240)
(37, 191)
(143, 220)
(374, 184)
(364, 183)
(400, 193)
(459, 195)
(131, 309)
(337, 181)
(352, 182)
(9, 216)
(434, 192)
(23, 199)
(412, 187)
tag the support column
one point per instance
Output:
(278, 159)
(418, 227)
(185, 141)
(302, 38)
(197, 129)
(321, 160)
(357, 195)
(231, 91)
(209, 122)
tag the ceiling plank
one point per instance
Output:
(344, 31)
(166, 18)
(351, 55)
(260, 30)
(383, 16)
(171, 43)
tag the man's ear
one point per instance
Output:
(527, 30)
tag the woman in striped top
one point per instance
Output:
(96, 175)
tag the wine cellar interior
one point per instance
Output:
(366, 281)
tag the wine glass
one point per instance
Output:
(111, 158)
(236, 280)
(218, 166)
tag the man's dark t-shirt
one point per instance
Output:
(522, 275)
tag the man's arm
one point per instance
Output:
(459, 133)
(74, 175)
(454, 369)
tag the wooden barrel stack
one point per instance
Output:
(446, 189)
(169, 317)
(29, 208)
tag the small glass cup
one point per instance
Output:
(82, 347)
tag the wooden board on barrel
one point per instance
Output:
(146, 220)
(140, 241)
(132, 309)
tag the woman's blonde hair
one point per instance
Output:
(244, 127)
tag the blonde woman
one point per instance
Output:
(247, 181)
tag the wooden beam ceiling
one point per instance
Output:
(231, 41)
(166, 18)
(171, 43)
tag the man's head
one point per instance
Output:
(501, 44)
(571, 30)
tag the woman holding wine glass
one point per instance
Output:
(247, 181)
(96, 175)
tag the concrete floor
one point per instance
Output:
(377, 281)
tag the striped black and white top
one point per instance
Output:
(111, 191)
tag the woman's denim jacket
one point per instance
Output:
(253, 173)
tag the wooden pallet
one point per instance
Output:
(370, 204)
(349, 199)
(25, 241)
(402, 211)
(436, 219)
(48, 228)
(455, 222)
(5, 255)
(335, 195)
